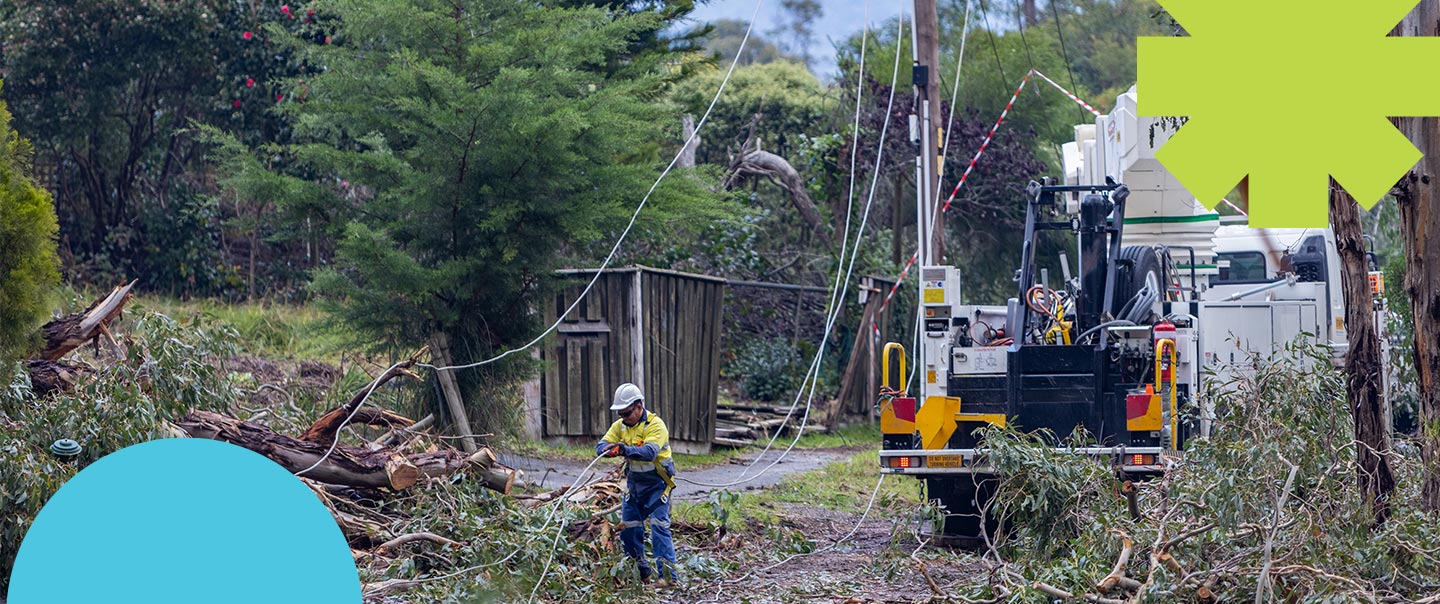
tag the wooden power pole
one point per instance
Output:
(925, 75)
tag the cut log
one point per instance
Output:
(72, 331)
(413, 537)
(349, 466)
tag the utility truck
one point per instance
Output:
(1162, 304)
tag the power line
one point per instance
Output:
(616, 248)
(1029, 58)
(1059, 31)
(994, 49)
(812, 376)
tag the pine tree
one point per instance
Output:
(472, 148)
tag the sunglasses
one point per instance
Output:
(628, 411)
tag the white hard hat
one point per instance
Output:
(627, 394)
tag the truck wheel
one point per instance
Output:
(1139, 263)
(963, 500)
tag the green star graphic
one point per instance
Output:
(1290, 93)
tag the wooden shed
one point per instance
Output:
(657, 328)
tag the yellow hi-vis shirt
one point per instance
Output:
(650, 433)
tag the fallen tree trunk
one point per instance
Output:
(323, 431)
(348, 466)
(72, 331)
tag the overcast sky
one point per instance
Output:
(840, 19)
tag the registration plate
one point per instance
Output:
(945, 461)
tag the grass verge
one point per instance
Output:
(845, 486)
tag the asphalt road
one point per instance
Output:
(743, 473)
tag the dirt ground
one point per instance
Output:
(871, 566)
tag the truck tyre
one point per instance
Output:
(1137, 264)
(963, 499)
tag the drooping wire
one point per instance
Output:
(336, 441)
(633, 216)
(1060, 32)
(1029, 58)
(954, 96)
(812, 377)
(846, 537)
(994, 48)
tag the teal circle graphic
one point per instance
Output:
(184, 520)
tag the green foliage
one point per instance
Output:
(1403, 395)
(458, 161)
(721, 502)
(768, 369)
(170, 368)
(103, 87)
(790, 100)
(27, 246)
(271, 331)
(1281, 414)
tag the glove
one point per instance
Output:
(613, 451)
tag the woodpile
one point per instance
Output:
(318, 457)
(742, 424)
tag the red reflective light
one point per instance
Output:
(904, 462)
(1138, 460)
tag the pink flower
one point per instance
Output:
(246, 35)
(327, 39)
(279, 97)
(236, 104)
(249, 82)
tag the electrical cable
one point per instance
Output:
(868, 506)
(994, 49)
(1059, 31)
(954, 96)
(1029, 58)
(545, 572)
(633, 217)
(813, 375)
(554, 505)
(336, 441)
(1115, 323)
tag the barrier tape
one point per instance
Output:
(1067, 93)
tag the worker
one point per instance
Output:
(642, 439)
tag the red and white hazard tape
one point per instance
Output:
(1067, 93)
(974, 160)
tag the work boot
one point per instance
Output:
(646, 575)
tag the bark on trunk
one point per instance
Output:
(72, 331)
(751, 162)
(687, 129)
(324, 430)
(1362, 362)
(440, 346)
(50, 376)
(1420, 227)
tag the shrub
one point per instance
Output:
(28, 263)
(767, 369)
(170, 368)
